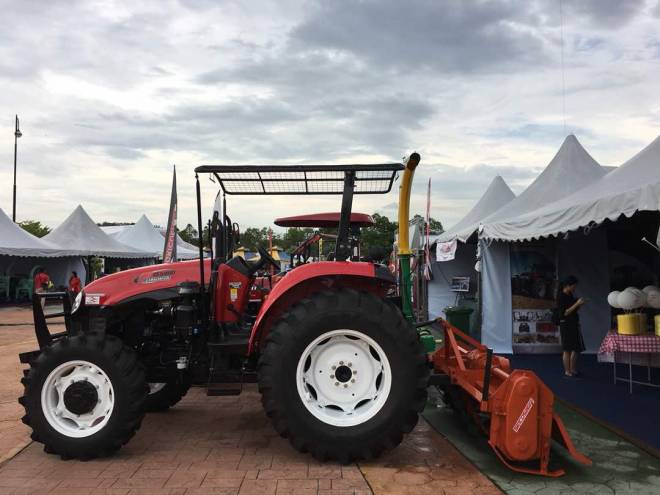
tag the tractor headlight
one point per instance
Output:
(76, 302)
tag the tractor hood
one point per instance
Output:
(157, 282)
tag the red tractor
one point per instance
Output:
(340, 369)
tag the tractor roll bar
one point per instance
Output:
(302, 179)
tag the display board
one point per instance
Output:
(533, 289)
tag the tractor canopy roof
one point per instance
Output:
(324, 220)
(302, 179)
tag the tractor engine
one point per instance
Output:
(170, 340)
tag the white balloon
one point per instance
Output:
(653, 299)
(640, 295)
(650, 288)
(628, 299)
(612, 299)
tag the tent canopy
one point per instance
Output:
(142, 236)
(495, 197)
(81, 233)
(14, 241)
(571, 169)
(632, 187)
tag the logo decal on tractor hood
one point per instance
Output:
(153, 277)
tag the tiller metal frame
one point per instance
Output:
(512, 407)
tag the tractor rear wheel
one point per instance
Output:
(85, 396)
(343, 375)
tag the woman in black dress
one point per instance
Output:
(569, 325)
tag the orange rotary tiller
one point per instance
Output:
(513, 408)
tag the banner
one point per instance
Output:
(445, 251)
(169, 251)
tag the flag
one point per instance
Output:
(428, 270)
(169, 251)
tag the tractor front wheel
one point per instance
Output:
(343, 375)
(85, 396)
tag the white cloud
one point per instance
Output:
(111, 94)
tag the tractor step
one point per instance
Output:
(235, 343)
(221, 389)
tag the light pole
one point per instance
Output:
(17, 134)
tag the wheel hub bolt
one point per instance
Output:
(334, 367)
(341, 362)
(332, 376)
(345, 385)
(349, 364)
(353, 380)
(336, 384)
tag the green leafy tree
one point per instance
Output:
(253, 237)
(34, 227)
(379, 236)
(293, 237)
(436, 225)
(189, 234)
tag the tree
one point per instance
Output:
(380, 235)
(253, 237)
(34, 227)
(293, 237)
(436, 225)
(189, 234)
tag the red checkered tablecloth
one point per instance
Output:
(613, 342)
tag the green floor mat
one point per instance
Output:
(618, 467)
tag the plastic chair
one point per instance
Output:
(24, 286)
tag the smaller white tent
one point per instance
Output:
(495, 197)
(185, 248)
(85, 237)
(143, 236)
(14, 241)
(440, 294)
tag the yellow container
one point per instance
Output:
(657, 325)
(631, 323)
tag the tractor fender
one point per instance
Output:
(304, 280)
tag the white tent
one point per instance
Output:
(81, 233)
(632, 187)
(142, 235)
(497, 195)
(14, 241)
(440, 295)
(184, 247)
(21, 254)
(571, 169)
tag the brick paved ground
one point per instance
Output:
(215, 445)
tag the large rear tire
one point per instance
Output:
(343, 375)
(85, 396)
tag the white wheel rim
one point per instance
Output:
(343, 378)
(154, 388)
(55, 410)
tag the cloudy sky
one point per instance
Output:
(111, 94)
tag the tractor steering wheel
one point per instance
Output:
(267, 258)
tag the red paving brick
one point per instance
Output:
(213, 445)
